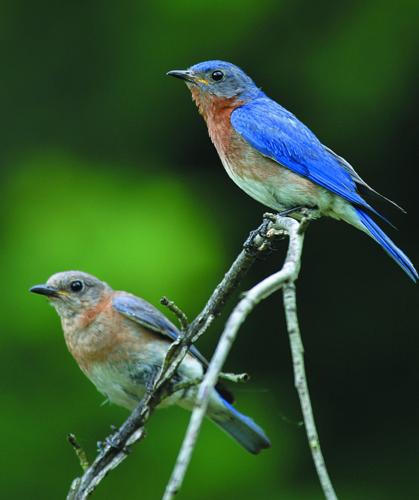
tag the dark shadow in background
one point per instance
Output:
(107, 166)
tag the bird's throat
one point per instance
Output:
(216, 112)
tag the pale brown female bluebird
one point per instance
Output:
(120, 341)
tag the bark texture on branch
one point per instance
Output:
(285, 278)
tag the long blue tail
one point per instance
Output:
(382, 239)
(241, 428)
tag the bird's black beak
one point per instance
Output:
(47, 290)
(183, 75)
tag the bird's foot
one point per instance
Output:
(252, 245)
(269, 216)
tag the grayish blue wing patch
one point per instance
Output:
(142, 312)
(148, 316)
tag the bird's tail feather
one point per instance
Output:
(241, 428)
(385, 242)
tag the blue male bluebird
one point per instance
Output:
(120, 341)
(276, 159)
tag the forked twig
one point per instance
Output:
(285, 278)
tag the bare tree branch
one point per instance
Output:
(117, 446)
(181, 316)
(300, 382)
(234, 377)
(80, 453)
(283, 278)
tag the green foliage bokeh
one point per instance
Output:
(107, 167)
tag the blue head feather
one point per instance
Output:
(233, 83)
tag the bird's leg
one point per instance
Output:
(301, 212)
(290, 211)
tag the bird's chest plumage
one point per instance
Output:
(95, 336)
(260, 177)
(121, 357)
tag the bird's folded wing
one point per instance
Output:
(146, 315)
(279, 135)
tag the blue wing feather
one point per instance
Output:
(279, 135)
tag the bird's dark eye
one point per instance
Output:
(217, 75)
(76, 286)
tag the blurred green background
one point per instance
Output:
(107, 167)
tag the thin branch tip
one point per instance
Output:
(80, 453)
(234, 377)
(177, 311)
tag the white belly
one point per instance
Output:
(124, 383)
(281, 191)
(116, 386)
